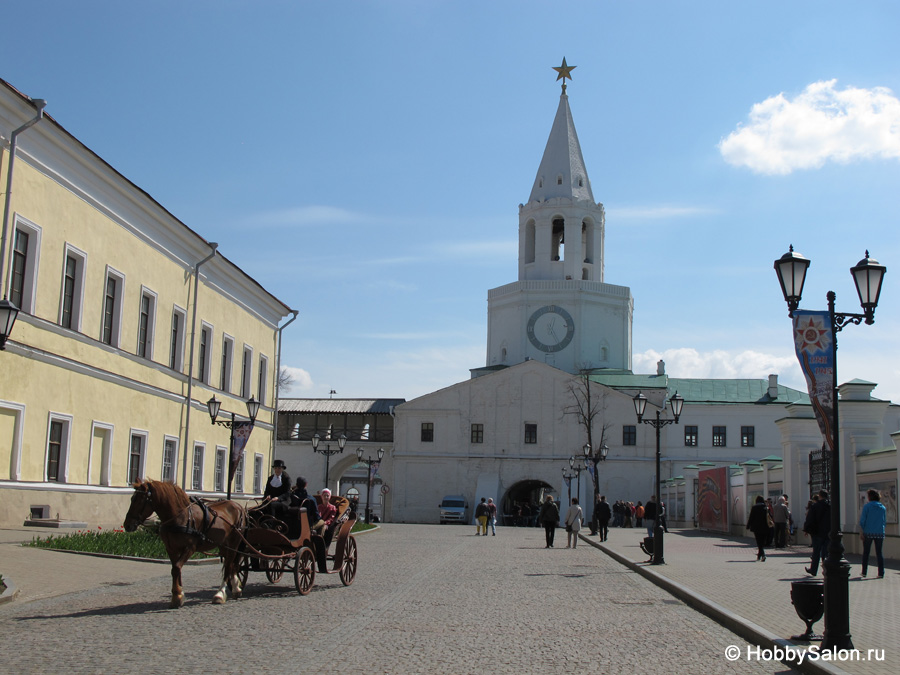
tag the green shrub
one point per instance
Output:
(142, 543)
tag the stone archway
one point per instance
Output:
(521, 501)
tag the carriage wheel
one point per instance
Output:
(275, 570)
(304, 570)
(348, 566)
(243, 570)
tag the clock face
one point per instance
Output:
(551, 328)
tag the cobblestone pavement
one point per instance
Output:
(724, 570)
(427, 599)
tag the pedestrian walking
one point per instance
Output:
(481, 516)
(771, 508)
(549, 518)
(492, 516)
(629, 510)
(603, 513)
(639, 514)
(574, 516)
(650, 515)
(780, 516)
(758, 524)
(818, 527)
(872, 521)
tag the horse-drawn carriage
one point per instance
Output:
(269, 546)
(247, 539)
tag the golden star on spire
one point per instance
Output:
(565, 71)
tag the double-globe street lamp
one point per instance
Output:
(567, 479)
(577, 467)
(640, 404)
(214, 405)
(327, 451)
(867, 276)
(369, 462)
(592, 458)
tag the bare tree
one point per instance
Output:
(285, 380)
(588, 405)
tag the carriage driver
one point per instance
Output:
(278, 491)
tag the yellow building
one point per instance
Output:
(129, 323)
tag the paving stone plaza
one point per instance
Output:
(427, 599)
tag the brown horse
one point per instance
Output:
(186, 527)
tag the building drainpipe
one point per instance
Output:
(40, 104)
(277, 381)
(187, 417)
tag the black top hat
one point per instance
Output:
(278, 463)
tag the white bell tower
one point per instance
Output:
(560, 311)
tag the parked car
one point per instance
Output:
(453, 509)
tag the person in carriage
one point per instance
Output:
(277, 495)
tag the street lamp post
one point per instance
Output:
(594, 458)
(369, 462)
(567, 478)
(640, 404)
(327, 451)
(867, 276)
(577, 468)
(214, 406)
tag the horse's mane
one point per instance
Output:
(167, 493)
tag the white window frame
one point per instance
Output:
(142, 463)
(238, 475)
(210, 331)
(65, 445)
(116, 333)
(257, 473)
(197, 480)
(105, 461)
(179, 345)
(32, 262)
(151, 323)
(78, 291)
(229, 366)
(221, 453)
(162, 471)
(246, 370)
(263, 378)
(18, 412)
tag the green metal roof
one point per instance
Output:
(771, 458)
(701, 390)
(875, 451)
(734, 391)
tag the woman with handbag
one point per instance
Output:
(758, 524)
(872, 521)
(574, 517)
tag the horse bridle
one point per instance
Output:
(148, 500)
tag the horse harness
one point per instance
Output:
(209, 519)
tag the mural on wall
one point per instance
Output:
(888, 490)
(712, 500)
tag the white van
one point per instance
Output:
(453, 509)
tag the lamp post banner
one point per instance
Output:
(241, 432)
(814, 342)
(373, 470)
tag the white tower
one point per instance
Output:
(560, 311)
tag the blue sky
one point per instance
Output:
(364, 161)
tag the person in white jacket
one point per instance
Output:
(574, 518)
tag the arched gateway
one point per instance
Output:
(520, 504)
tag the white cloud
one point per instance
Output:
(302, 381)
(821, 124)
(686, 362)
